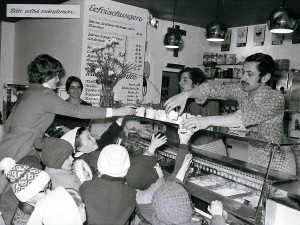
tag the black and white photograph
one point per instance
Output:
(130, 112)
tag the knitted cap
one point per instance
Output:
(26, 181)
(31, 161)
(70, 137)
(171, 204)
(141, 173)
(55, 152)
(113, 161)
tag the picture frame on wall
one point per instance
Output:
(242, 33)
(225, 46)
(277, 39)
(259, 35)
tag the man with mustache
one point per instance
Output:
(261, 110)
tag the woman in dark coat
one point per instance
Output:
(35, 110)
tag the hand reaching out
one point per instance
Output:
(177, 100)
(186, 162)
(124, 110)
(157, 141)
(195, 123)
(216, 208)
(184, 136)
(184, 167)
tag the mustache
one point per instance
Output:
(244, 83)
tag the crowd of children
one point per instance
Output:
(124, 190)
(77, 179)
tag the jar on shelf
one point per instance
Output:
(205, 58)
(231, 59)
(214, 59)
(221, 59)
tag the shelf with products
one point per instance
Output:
(242, 187)
(223, 65)
(223, 71)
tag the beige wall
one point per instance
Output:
(60, 38)
(194, 44)
(285, 51)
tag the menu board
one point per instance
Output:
(105, 20)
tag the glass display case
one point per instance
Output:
(242, 187)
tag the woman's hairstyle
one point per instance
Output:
(77, 138)
(265, 65)
(72, 79)
(43, 68)
(195, 74)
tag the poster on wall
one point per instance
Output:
(106, 22)
(225, 47)
(277, 39)
(259, 35)
(241, 36)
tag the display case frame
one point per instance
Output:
(265, 176)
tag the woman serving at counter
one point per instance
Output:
(35, 110)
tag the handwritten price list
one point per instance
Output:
(104, 20)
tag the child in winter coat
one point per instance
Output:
(143, 176)
(146, 176)
(86, 147)
(171, 202)
(57, 157)
(108, 199)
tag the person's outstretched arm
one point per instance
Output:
(157, 141)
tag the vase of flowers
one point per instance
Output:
(109, 68)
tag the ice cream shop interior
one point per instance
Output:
(155, 112)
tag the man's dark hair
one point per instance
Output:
(265, 65)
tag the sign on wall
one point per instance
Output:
(241, 36)
(259, 35)
(105, 20)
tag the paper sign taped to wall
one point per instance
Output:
(43, 11)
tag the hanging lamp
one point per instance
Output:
(172, 38)
(282, 20)
(216, 30)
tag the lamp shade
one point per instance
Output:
(282, 20)
(216, 31)
(172, 39)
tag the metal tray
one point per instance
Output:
(232, 190)
(209, 181)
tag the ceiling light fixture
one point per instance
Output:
(172, 38)
(153, 21)
(282, 20)
(216, 30)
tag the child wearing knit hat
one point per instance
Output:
(171, 202)
(57, 156)
(26, 184)
(86, 147)
(145, 195)
(10, 207)
(108, 199)
(33, 186)
(146, 176)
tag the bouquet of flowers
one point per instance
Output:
(108, 66)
